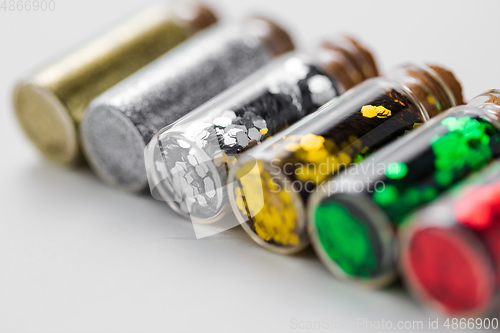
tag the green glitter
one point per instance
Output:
(413, 196)
(464, 144)
(451, 123)
(345, 239)
(386, 196)
(478, 157)
(467, 144)
(429, 193)
(358, 158)
(444, 178)
(396, 170)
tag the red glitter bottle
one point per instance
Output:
(450, 250)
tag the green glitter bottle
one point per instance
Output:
(354, 218)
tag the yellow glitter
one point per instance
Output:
(334, 164)
(275, 220)
(415, 125)
(353, 140)
(313, 172)
(310, 142)
(263, 131)
(331, 146)
(344, 158)
(292, 147)
(317, 156)
(370, 111)
(430, 99)
(240, 203)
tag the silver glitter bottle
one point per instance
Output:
(187, 162)
(119, 123)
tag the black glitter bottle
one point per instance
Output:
(187, 162)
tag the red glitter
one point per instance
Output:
(478, 207)
(448, 270)
(491, 237)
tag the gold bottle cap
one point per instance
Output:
(274, 37)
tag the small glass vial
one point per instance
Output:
(50, 104)
(354, 217)
(450, 249)
(187, 162)
(269, 187)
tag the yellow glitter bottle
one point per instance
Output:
(50, 104)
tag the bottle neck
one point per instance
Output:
(275, 38)
(435, 88)
(346, 61)
(195, 16)
(490, 101)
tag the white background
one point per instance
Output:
(77, 256)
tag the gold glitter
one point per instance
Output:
(310, 142)
(276, 219)
(344, 158)
(318, 156)
(263, 131)
(331, 146)
(415, 125)
(292, 147)
(430, 99)
(370, 111)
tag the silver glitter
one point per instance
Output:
(321, 90)
(200, 171)
(192, 160)
(119, 123)
(184, 144)
(229, 141)
(254, 134)
(209, 186)
(222, 121)
(242, 139)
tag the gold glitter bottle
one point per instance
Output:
(50, 104)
